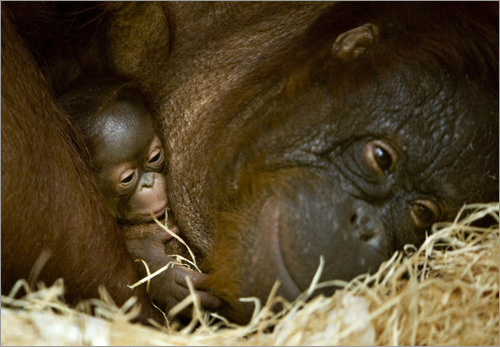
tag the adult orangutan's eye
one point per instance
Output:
(424, 213)
(380, 156)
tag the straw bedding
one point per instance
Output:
(443, 293)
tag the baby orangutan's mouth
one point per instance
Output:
(157, 213)
(160, 213)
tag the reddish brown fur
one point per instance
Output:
(235, 229)
(220, 61)
(40, 146)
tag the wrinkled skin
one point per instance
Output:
(305, 129)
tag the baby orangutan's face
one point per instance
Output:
(130, 161)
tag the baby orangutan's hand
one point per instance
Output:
(169, 287)
(172, 288)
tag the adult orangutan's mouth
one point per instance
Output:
(290, 290)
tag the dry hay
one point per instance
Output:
(444, 293)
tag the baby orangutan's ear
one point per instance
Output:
(353, 43)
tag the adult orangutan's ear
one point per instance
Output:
(353, 43)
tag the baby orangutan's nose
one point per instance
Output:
(148, 179)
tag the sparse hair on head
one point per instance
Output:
(86, 102)
(91, 98)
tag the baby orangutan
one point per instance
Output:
(126, 155)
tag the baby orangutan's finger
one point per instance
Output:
(181, 272)
(163, 236)
(207, 300)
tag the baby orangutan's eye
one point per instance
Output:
(127, 178)
(156, 157)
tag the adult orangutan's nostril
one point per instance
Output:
(366, 234)
(353, 218)
(363, 226)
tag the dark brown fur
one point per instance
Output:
(240, 89)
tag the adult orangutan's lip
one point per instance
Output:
(289, 287)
